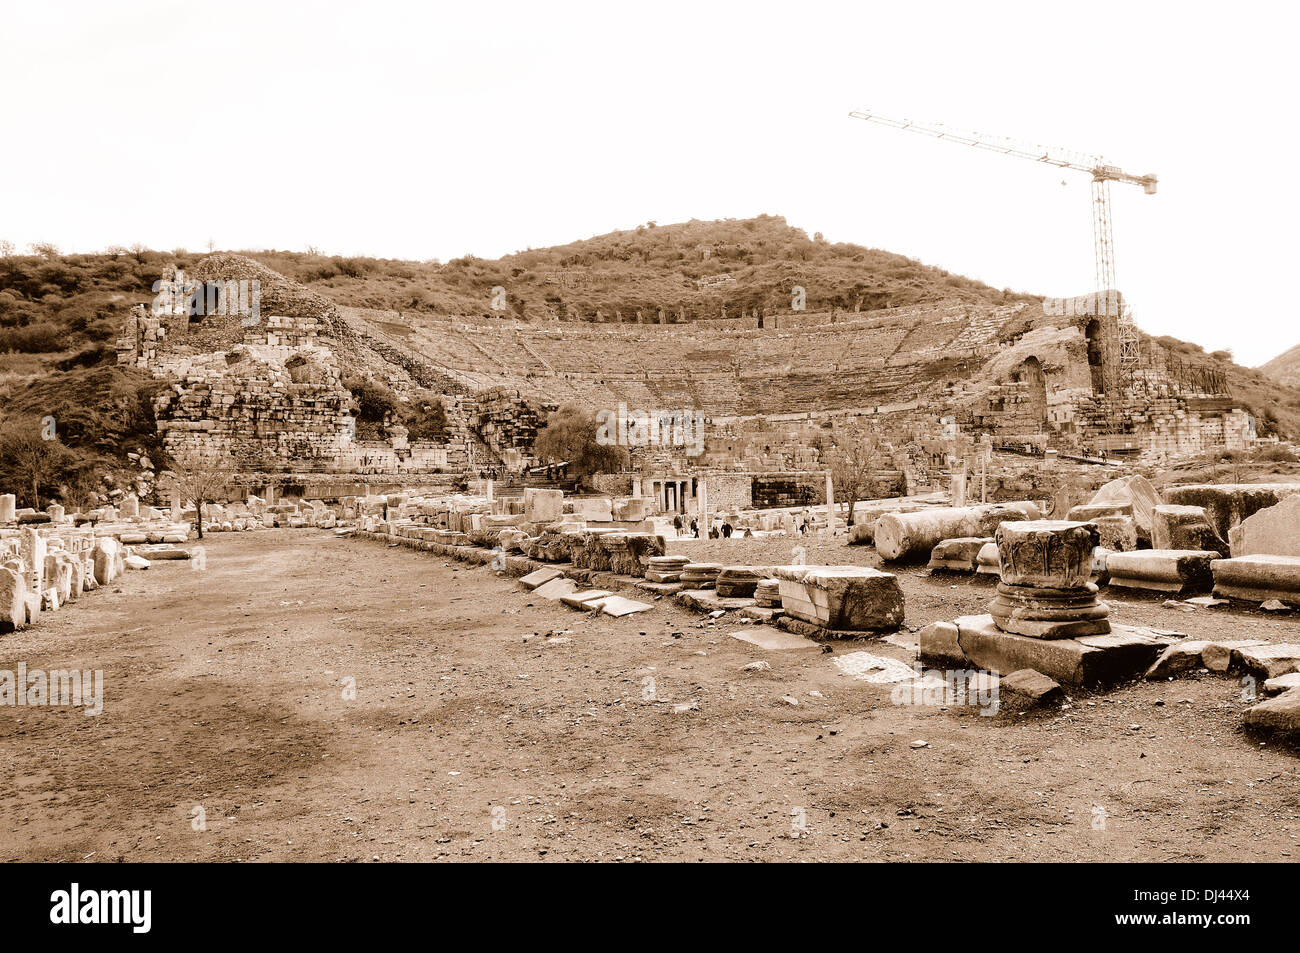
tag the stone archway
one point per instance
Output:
(1030, 372)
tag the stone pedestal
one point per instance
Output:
(1045, 591)
(7, 508)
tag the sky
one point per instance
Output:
(429, 131)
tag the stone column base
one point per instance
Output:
(1049, 613)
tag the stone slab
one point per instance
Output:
(660, 588)
(773, 640)
(575, 600)
(618, 606)
(1126, 652)
(539, 577)
(938, 645)
(556, 589)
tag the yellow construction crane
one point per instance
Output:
(1103, 174)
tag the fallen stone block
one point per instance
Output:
(1258, 578)
(849, 598)
(543, 506)
(1118, 533)
(860, 534)
(594, 509)
(1274, 530)
(1184, 527)
(1228, 504)
(166, 552)
(1281, 683)
(50, 600)
(1087, 512)
(136, 562)
(1033, 686)
(105, 556)
(659, 588)
(1184, 656)
(958, 555)
(939, 646)
(618, 606)
(1280, 714)
(707, 601)
(1139, 493)
(1180, 571)
(1217, 656)
(1268, 660)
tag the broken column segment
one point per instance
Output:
(905, 535)
(1045, 590)
(1180, 572)
(1258, 578)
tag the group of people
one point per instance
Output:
(723, 530)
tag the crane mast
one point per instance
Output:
(1103, 174)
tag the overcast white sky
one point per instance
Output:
(431, 131)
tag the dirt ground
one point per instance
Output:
(473, 737)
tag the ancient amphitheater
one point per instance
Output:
(775, 389)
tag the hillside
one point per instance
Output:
(431, 326)
(1285, 368)
(646, 268)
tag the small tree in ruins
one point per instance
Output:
(200, 478)
(853, 465)
(32, 452)
(570, 436)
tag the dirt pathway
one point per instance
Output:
(471, 737)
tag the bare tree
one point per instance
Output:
(27, 452)
(853, 467)
(6, 248)
(200, 478)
